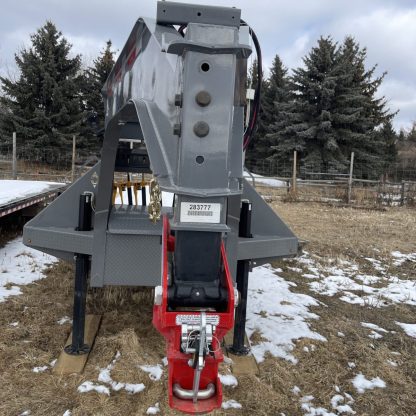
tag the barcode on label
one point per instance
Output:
(200, 212)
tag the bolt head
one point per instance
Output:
(201, 129)
(203, 98)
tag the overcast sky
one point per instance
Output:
(386, 27)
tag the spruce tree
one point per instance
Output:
(93, 103)
(43, 104)
(274, 94)
(333, 111)
(358, 113)
(276, 99)
(305, 122)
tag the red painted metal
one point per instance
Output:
(165, 322)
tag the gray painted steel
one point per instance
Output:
(150, 93)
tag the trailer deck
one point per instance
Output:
(17, 195)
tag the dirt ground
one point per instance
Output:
(126, 327)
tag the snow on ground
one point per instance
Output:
(361, 383)
(343, 277)
(278, 314)
(155, 371)
(231, 404)
(20, 265)
(105, 377)
(264, 180)
(12, 191)
(153, 410)
(228, 380)
(410, 329)
(167, 198)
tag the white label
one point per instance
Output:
(200, 212)
(196, 319)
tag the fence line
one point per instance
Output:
(291, 180)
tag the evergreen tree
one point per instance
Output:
(275, 96)
(358, 113)
(305, 122)
(43, 105)
(388, 138)
(333, 111)
(274, 93)
(93, 103)
(411, 135)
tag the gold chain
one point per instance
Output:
(155, 207)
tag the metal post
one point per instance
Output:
(14, 163)
(350, 177)
(403, 193)
(243, 268)
(73, 158)
(295, 154)
(82, 264)
(143, 191)
(129, 192)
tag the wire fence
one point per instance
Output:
(45, 163)
(396, 186)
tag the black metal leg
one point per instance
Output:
(238, 347)
(243, 268)
(129, 192)
(82, 265)
(144, 195)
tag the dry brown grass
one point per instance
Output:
(126, 327)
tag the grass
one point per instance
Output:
(336, 233)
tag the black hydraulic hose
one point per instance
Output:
(255, 110)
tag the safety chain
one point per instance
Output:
(154, 207)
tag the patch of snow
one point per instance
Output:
(14, 324)
(67, 413)
(153, 410)
(410, 329)
(341, 334)
(265, 180)
(40, 369)
(20, 265)
(375, 335)
(286, 310)
(373, 326)
(105, 377)
(351, 365)
(296, 390)
(25, 413)
(155, 371)
(338, 404)
(228, 380)
(53, 362)
(356, 288)
(64, 320)
(392, 363)
(88, 386)
(165, 361)
(307, 406)
(13, 191)
(362, 384)
(231, 404)
(133, 388)
(401, 257)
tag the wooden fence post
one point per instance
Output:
(14, 162)
(295, 153)
(73, 158)
(402, 193)
(350, 177)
